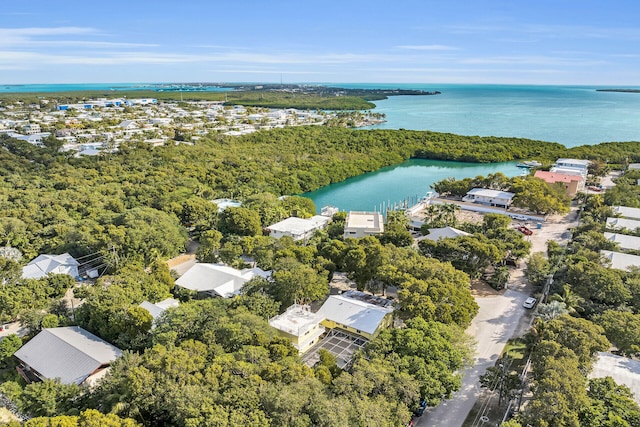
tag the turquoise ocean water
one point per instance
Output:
(570, 115)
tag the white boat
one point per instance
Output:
(529, 164)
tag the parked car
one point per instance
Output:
(525, 230)
(529, 302)
(519, 217)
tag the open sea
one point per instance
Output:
(570, 115)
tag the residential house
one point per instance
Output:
(298, 228)
(621, 261)
(158, 308)
(218, 280)
(622, 224)
(357, 312)
(361, 224)
(50, 264)
(300, 325)
(630, 243)
(486, 196)
(572, 167)
(572, 183)
(71, 354)
(627, 212)
(436, 234)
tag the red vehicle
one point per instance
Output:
(524, 230)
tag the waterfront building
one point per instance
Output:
(573, 183)
(361, 224)
(486, 196)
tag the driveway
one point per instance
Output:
(496, 322)
(500, 318)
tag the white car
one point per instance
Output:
(529, 302)
(519, 217)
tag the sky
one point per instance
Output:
(577, 42)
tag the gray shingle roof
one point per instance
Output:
(69, 353)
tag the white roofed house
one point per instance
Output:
(627, 212)
(621, 261)
(486, 196)
(218, 280)
(619, 224)
(158, 308)
(51, 264)
(357, 312)
(436, 234)
(300, 325)
(361, 224)
(71, 354)
(625, 242)
(298, 228)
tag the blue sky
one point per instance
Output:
(446, 41)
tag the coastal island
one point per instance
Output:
(300, 96)
(619, 90)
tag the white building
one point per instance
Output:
(71, 354)
(361, 224)
(218, 280)
(298, 228)
(46, 264)
(436, 234)
(573, 164)
(300, 325)
(158, 308)
(622, 224)
(356, 312)
(486, 196)
(572, 167)
(625, 242)
(621, 261)
(627, 212)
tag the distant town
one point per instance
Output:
(100, 125)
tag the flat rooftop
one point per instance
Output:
(368, 220)
(297, 320)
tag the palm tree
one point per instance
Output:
(570, 299)
(552, 310)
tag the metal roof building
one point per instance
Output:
(627, 212)
(217, 280)
(622, 223)
(624, 241)
(357, 312)
(71, 354)
(621, 261)
(55, 264)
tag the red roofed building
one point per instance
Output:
(572, 183)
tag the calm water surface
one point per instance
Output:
(569, 115)
(407, 181)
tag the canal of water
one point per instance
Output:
(406, 183)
